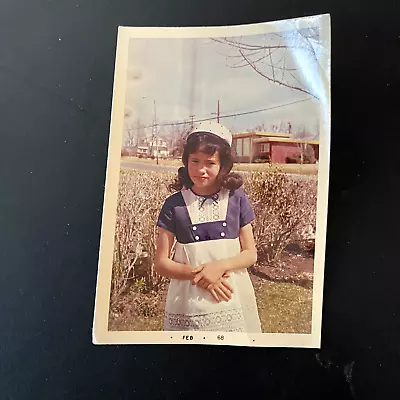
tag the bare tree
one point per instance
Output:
(258, 128)
(272, 56)
(129, 137)
(140, 133)
(129, 134)
(178, 133)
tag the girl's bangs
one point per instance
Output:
(207, 148)
(204, 142)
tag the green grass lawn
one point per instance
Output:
(304, 169)
(175, 162)
(283, 308)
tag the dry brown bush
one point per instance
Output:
(285, 209)
(141, 195)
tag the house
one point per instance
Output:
(142, 151)
(274, 147)
(132, 151)
(160, 145)
(162, 152)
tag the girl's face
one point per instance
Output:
(203, 171)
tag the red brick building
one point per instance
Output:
(275, 147)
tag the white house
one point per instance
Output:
(162, 147)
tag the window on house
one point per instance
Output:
(246, 146)
(239, 147)
(264, 147)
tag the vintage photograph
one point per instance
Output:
(215, 208)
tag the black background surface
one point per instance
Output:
(56, 76)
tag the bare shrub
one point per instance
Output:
(285, 209)
(141, 195)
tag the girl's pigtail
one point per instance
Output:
(181, 181)
(232, 181)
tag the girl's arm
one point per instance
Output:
(164, 265)
(212, 271)
(248, 255)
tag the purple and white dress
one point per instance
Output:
(207, 229)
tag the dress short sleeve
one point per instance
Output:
(246, 211)
(166, 219)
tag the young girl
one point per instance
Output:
(210, 288)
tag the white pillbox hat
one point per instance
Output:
(214, 128)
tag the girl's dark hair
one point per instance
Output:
(208, 143)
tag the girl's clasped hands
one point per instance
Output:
(212, 277)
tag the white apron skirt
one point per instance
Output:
(191, 308)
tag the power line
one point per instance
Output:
(232, 115)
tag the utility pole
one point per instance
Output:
(191, 118)
(156, 130)
(192, 88)
(217, 113)
(137, 131)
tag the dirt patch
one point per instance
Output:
(138, 312)
(296, 266)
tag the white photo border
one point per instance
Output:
(100, 333)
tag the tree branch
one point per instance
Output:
(273, 80)
(246, 46)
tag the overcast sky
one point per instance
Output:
(188, 76)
